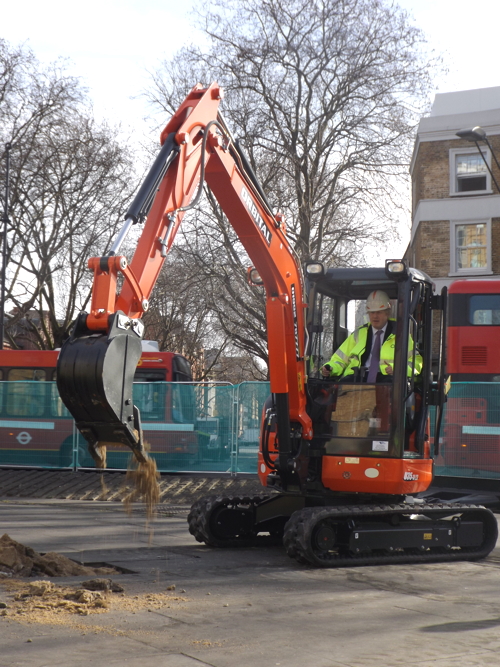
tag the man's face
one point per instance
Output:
(379, 319)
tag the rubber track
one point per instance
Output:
(299, 529)
(199, 522)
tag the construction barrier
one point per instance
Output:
(187, 427)
(208, 427)
(470, 435)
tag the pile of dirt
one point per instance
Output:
(44, 602)
(22, 561)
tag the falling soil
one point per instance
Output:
(141, 484)
(141, 481)
(104, 488)
(22, 561)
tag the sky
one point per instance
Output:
(113, 44)
(110, 44)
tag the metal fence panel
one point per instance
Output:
(249, 401)
(211, 427)
(470, 435)
(36, 430)
(195, 427)
(188, 427)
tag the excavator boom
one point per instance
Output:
(97, 364)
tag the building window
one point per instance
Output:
(468, 172)
(471, 247)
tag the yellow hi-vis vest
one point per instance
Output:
(348, 357)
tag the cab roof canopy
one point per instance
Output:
(357, 283)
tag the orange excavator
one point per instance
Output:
(343, 462)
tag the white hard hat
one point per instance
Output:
(377, 301)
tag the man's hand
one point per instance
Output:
(389, 370)
(325, 371)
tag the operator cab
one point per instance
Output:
(390, 417)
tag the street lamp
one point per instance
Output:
(476, 135)
(5, 221)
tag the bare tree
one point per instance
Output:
(324, 96)
(70, 181)
(179, 318)
(198, 272)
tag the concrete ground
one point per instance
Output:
(245, 608)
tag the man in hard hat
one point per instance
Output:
(371, 347)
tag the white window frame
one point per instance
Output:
(454, 271)
(453, 171)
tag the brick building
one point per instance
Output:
(455, 204)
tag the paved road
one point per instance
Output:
(247, 608)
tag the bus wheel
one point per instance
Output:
(85, 460)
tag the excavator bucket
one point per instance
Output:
(95, 373)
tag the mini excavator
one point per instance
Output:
(343, 462)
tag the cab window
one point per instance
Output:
(322, 332)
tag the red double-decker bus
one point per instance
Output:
(471, 437)
(37, 430)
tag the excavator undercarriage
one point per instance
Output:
(347, 535)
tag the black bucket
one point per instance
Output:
(95, 374)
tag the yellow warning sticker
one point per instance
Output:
(427, 536)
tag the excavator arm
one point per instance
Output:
(96, 365)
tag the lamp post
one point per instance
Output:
(476, 135)
(5, 221)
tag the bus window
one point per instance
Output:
(183, 403)
(149, 395)
(26, 398)
(26, 375)
(484, 309)
(150, 398)
(181, 370)
(149, 375)
(57, 408)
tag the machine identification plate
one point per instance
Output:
(380, 446)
